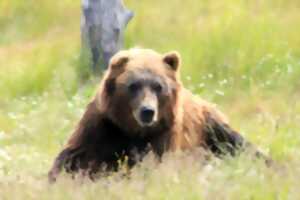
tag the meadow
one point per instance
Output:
(242, 55)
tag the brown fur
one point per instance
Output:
(108, 132)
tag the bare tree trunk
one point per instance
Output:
(102, 29)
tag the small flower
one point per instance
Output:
(188, 78)
(201, 85)
(219, 92)
(4, 155)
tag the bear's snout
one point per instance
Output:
(147, 114)
(145, 107)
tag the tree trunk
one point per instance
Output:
(102, 28)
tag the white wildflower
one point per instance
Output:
(12, 115)
(201, 85)
(223, 82)
(4, 155)
(219, 92)
(2, 135)
(289, 69)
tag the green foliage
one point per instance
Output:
(244, 55)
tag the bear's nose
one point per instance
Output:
(147, 114)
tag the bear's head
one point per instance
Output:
(140, 90)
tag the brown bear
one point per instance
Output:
(141, 105)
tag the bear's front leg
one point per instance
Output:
(221, 139)
(85, 139)
(68, 159)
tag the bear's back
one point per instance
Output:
(190, 130)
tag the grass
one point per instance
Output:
(243, 55)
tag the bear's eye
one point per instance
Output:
(133, 87)
(157, 87)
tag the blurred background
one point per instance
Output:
(243, 55)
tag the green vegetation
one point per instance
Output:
(243, 55)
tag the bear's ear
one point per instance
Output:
(172, 59)
(118, 61)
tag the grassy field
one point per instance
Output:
(243, 55)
